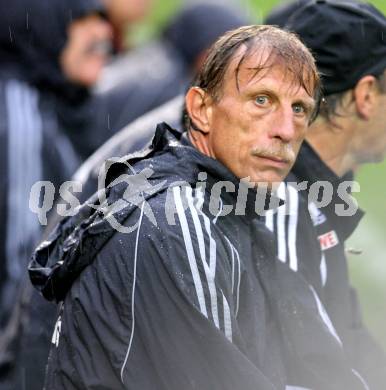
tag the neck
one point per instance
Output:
(118, 38)
(332, 142)
(199, 141)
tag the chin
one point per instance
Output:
(375, 159)
(272, 185)
(271, 180)
(381, 158)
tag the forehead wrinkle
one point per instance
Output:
(287, 78)
(256, 74)
(245, 52)
(295, 66)
(231, 72)
(244, 55)
(265, 57)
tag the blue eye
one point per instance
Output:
(261, 100)
(298, 109)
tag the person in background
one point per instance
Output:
(51, 53)
(347, 39)
(279, 15)
(146, 77)
(122, 14)
(157, 74)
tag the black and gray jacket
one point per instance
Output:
(310, 239)
(32, 149)
(166, 286)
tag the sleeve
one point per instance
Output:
(3, 206)
(21, 167)
(154, 311)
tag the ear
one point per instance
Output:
(366, 95)
(199, 107)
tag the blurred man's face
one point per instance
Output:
(373, 136)
(257, 130)
(86, 50)
(124, 12)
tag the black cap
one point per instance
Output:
(347, 38)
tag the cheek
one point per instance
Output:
(383, 143)
(226, 143)
(225, 131)
(302, 130)
(297, 142)
(231, 147)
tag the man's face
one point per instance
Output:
(256, 130)
(85, 53)
(123, 12)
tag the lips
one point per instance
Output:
(275, 160)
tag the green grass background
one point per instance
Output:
(368, 270)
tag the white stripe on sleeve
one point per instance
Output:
(325, 317)
(323, 270)
(227, 319)
(292, 227)
(235, 255)
(210, 270)
(269, 219)
(281, 225)
(190, 250)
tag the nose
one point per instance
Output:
(283, 126)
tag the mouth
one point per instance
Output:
(275, 161)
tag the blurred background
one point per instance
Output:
(368, 269)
